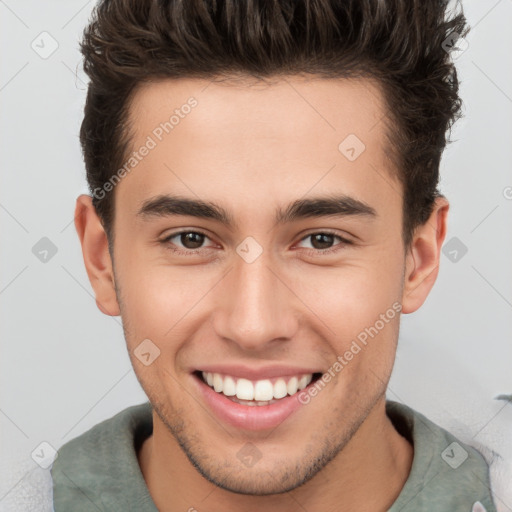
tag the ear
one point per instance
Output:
(422, 259)
(96, 255)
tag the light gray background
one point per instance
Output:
(64, 365)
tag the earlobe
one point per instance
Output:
(96, 255)
(422, 260)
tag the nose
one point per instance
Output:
(256, 307)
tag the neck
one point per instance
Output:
(368, 474)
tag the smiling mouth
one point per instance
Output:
(256, 392)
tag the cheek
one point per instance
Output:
(157, 298)
(352, 294)
(359, 303)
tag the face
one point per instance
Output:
(291, 257)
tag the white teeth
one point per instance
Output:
(218, 381)
(304, 381)
(229, 388)
(261, 392)
(244, 389)
(280, 390)
(251, 403)
(292, 386)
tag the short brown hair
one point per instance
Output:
(400, 43)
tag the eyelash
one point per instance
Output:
(315, 252)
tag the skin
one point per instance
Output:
(251, 149)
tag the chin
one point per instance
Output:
(261, 482)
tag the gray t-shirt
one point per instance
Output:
(99, 469)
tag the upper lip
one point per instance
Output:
(242, 371)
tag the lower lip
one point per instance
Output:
(257, 417)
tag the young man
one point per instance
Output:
(264, 208)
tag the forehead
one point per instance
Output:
(284, 138)
(325, 109)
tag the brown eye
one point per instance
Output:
(322, 240)
(325, 242)
(192, 240)
(186, 241)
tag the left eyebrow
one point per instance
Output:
(325, 206)
(330, 206)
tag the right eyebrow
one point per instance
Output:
(167, 205)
